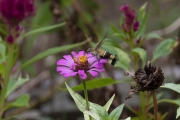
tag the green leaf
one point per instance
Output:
(178, 113)
(172, 86)
(164, 116)
(118, 33)
(95, 110)
(142, 54)
(2, 52)
(115, 30)
(65, 3)
(21, 101)
(176, 101)
(108, 104)
(86, 117)
(129, 118)
(88, 17)
(110, 42)
(142, 18)
(12, 84)
(115, 114)
(131, 109)
(98, 83)
(164, 48)
(123, 59)
(50, 51)
(43, 29)
(143, 7)
(153, 35)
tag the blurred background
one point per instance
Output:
(92, 18)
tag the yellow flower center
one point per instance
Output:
(81, 59)
(82, 63)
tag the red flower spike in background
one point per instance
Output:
(10, 39)
(80, 64)
(15, 11)
(130, 21)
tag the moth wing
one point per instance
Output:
(101, 42)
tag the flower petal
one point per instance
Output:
(103, 61)
(69, 58)
(97, 69)
(96, 64)
(64, 62)
(80, 53)
(93, 73)
(68, 73)
(92, 59)
(62, 68)
(82, 74)
(73, 74)
(74, 54)
(88, 54)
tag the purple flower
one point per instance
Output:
(15, 11)
(130, 21)
(80, 64)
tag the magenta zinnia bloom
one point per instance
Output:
(130, 21)
(80, 64)
(15, 11)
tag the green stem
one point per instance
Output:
(9, 65)
(6, 80)
(155, 105)
(86, 97)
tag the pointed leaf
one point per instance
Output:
(143, 7)
(129, 118)
(115, 114)
(153, 35)
(172, 86)
(50, 51)
(118, 33)
(142, 54)
(176, 101)
(123, 59)
(142, 17)
(95, 110)
(108, 104)
(164, 48)
(12, 84)
(2, 52)
(86, 117)
(164, 116)
(21, 101)
(43, 29)
(178, 113)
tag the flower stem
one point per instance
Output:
(155, 105)
(86, 96)
(6, 80)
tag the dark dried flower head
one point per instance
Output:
(130, 21)
(147, 79)
(15, 11)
